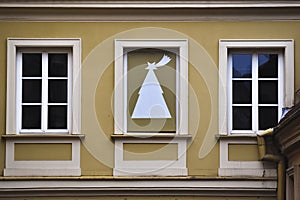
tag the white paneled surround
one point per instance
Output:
(42, 167)
(121, 135)
(140, 187)
(69, 135)
(227, 135)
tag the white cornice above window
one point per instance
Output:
(149, 4)
(68, 10)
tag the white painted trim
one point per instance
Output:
(44, 51)
(224, 45)
(242, 168)
(156, 4)
(12, 45)
(42, 168)
(153, 167)
(150, 167)
(120, 99)
(139, 187)
(247, 172)
(143, 10)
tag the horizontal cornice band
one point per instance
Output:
(170, 10)
(151, 4)
(148, 14)
(217, 187)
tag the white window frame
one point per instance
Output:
(286, 96)
(175, 167)
(254, 83)
(44, 93)
(12, 114)
(120, 100)
(13, 135)
(249, 168)
(42, 167)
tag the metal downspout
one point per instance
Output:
(274, 158)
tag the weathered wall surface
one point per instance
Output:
(98, 82)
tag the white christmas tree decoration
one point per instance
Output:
(151, 103)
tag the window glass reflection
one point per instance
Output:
(242, 65)
(268, 117)
(32, 65)
(242, 92)
(58, 65)
(57, 91)
(268, 92)
(57, 117)
(31, 117)
(268, 65)
(242, 118)
(31, 91)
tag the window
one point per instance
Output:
(255, 88)
(256, 83)
(131, 70)
(43, 97)
(151, 98)
(43, 86)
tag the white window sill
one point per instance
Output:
(150, 136)
(42, 167)
(236, 136)
(16, 136)
(152, 167)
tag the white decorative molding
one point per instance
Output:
(120, 92)
(150, 167)
(42, 167)
(143, 10)
(156, 186)
(13, 136)
(287, 45)
(175, 167)
(11, 98)
(242, 168)
(151, 4)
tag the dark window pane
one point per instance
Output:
(57, 91)
(242, 65)
(268, 65)
(31, 91)
(58, 65)
(31, 117)
(268, 117)
(57, 117)
(268, 92)
(242, 118)
(32, 64)
(242, 91)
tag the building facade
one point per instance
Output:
(138, 99)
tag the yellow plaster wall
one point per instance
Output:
(133, 151)
(97, 153)
(26, 151)
(240, 152)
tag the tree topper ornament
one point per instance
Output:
(151, 103)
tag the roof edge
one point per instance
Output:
(148, 4)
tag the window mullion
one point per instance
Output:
(229, 97)
(19, 94)
(280, 83)
(44, 91)
(69, 91)
(255, 119)
(125, 93)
